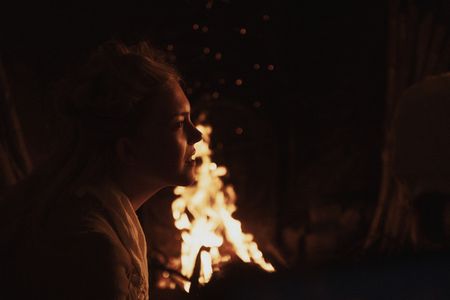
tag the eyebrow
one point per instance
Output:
(185, 114)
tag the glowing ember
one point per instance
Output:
(203, 212)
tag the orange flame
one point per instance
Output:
(210, 204)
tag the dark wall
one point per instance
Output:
(314, 122)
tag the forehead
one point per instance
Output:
(172, 101)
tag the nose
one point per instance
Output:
(195, 135)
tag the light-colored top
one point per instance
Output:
(93, 247)
(123, 227)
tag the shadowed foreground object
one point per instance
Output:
(408, 277)
(15, 162)
(422, 131)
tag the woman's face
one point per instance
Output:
(164, 147)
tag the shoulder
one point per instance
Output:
(84, 225)
(87, 264)
(78, 213)
(82, 254)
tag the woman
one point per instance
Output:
(70, 230)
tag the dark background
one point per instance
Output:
(301, 136)
(302, 141)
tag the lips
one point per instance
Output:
(191, 158)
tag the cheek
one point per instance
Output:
(174, 148)
(166, 154)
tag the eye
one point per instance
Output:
(181, 121)
(179, 124)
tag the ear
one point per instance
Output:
(124, 151)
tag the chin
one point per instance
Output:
(184, 177)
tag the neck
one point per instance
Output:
(138, 192)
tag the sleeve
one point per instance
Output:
(88, 267)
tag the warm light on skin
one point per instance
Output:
(146, 169)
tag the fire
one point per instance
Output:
(203, 212)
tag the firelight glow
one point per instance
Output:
(203, 214)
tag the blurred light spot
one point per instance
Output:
(195, 26)
(243, 31)
(222, 80)
(239, 82)
(270, 67)
(205, 29)
(209, 4)
(266, 18)
(257, 104)
(215, 95)
(218, 56)
(256, 66)
(206, 50)
(202, 117)
(165, 274)
(170, 47)
(239, 131)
